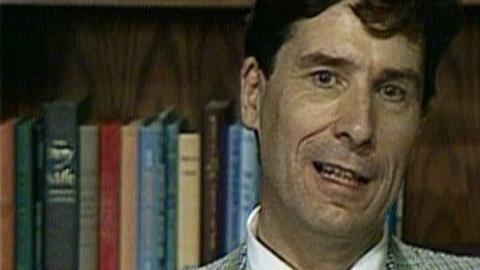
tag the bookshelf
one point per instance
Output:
(157, 3)
(136, 57)
(140, 3)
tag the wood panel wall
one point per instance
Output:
(442, 200)
(133, 62)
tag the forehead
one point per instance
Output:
(338, 32)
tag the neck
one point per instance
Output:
(302, 248)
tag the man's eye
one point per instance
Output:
(392, 93)
(325, 79)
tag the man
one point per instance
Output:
(336, 91)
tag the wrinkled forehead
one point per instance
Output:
(339, 32)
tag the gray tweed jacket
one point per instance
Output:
(400, 257)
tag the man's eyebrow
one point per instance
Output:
(319, 58)
(399, 74)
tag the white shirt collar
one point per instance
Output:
(259, 257)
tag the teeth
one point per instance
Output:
(337, 174)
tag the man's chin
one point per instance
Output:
(336, 222)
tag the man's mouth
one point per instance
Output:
(340, 175)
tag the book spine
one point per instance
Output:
(7, 190)
(89, 153)
(213, 174)
(249, 180)
(39, 194)
(24, 198)
(171, 147)
(399, 213)
(151, 211)
(128, 196)
(232, 190)
(61, 217)
(189, 199)
(109, 197)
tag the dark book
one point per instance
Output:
(217, 117)
(61, 186)
(109, 208)
(38, 192)
(24, 195)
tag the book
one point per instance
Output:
(38, 192)
(217, 116)
(232, 188)
(188, 201)
(61, 186)
(399, 213)
(171, 131)
(394, 216)
(109, 188)
(7, 191)
(128, 195)
(151, 199)
(89, 173)
(24, 195)
(249, 180)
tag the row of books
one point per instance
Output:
(147, 194)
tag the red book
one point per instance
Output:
(7, 191)
(108, 239)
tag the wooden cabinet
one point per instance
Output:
(442, 202)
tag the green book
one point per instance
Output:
(24, 195)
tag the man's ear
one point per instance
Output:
(253, 84)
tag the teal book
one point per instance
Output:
(151, 198)
(171, 132)
(24, 195)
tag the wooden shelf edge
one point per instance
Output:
(137, 3)
(157, 3)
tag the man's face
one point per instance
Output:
(336, 121)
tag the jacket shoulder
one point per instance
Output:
(410, 257)
(236, 260)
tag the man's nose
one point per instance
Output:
(356, 124)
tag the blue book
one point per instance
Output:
(249, 180)
(150, 253)
(232, 188)
(171, 131)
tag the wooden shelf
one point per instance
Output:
(157, 3)
(137, 3)
(471, 2)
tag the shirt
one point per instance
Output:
(260, 257)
